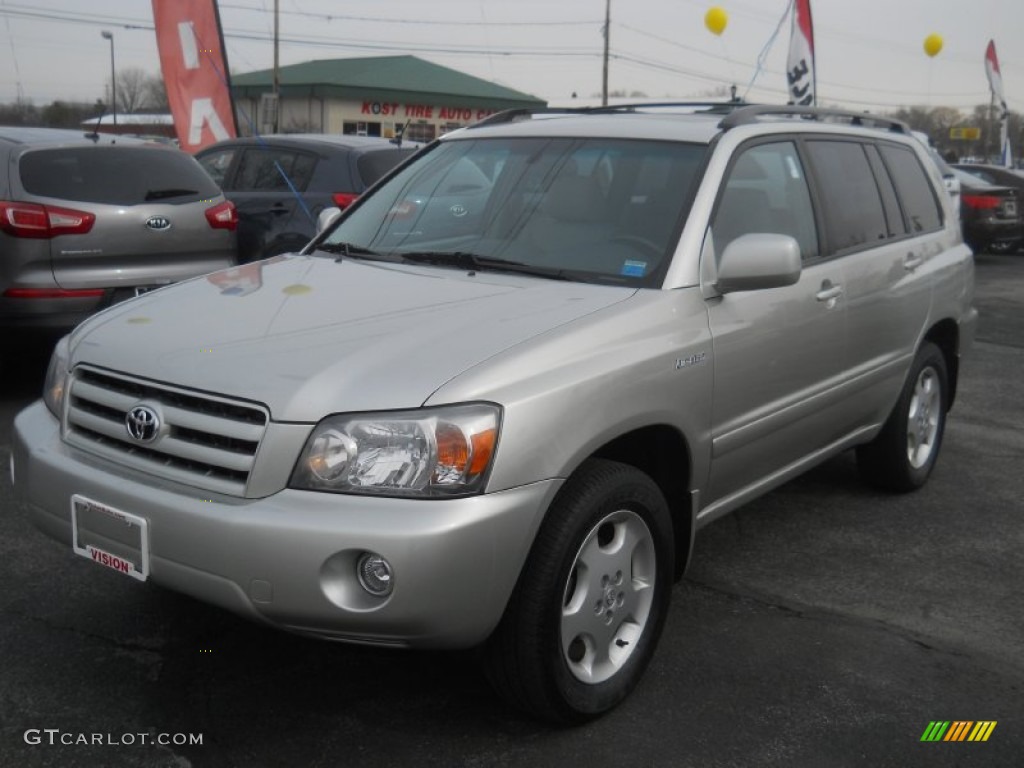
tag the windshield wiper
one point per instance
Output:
(473, 261)
(160, 194)
(345, 250)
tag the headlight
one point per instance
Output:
(445, 451)
(56, 378)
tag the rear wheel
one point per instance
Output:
(903, 455)
(590, 604)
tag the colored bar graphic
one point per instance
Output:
(982, 730)
(958, 730)
(935, 731)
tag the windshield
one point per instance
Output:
(597, 210)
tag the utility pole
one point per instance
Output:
(107, 35)
(277, 82)
(607, 34)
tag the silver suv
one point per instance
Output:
(88, 221)
(494, 402)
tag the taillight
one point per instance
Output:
(981, 202)
(43, 221)
(344, 199)
(223, 216)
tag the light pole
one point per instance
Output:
(107, 35)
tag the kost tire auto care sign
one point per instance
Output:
(195, 71)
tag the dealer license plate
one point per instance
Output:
(110, 537)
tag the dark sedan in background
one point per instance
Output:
(280, 183)
(991, 214)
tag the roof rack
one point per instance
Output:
(750, 114)
(512, 115)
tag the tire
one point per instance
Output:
(903, 455)
(590, 604)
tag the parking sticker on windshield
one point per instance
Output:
(634, 268)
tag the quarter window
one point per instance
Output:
(853, 208)
(915, 191)
(217, 164)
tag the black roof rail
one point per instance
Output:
(520, 113)
(512, 115)
(714, 107)
(750, 114)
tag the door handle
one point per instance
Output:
(912, 262)
(829, 292)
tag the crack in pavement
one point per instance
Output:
(130, 647)
(818, 613)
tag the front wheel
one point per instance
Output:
(903, 455)
(590, 604)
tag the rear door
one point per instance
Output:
(888, 283)
(267, 186)
(150, 208)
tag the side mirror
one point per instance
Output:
(756, 261)
(327, 218)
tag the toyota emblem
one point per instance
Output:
(458, 210)
(142, 423)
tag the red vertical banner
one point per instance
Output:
(995, 82)
(800, 74)
(195, 71)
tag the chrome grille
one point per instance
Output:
(204, 440)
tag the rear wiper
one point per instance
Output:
(472, 261)
(160, 194)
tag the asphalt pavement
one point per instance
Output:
(826, 624)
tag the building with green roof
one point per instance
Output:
(372, 96)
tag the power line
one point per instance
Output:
(420, 22)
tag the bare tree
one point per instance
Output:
(138, 91)
(156, 95)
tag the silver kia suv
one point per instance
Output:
(89, 220)
(494, 402)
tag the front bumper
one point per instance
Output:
(289, 559)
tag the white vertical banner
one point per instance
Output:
(802, 81)
(995, 82)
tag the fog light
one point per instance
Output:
(374, 574)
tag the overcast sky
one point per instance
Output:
(869, 52)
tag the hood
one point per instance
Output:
(308, 336)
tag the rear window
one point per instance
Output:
(115, 175)
(373, 165)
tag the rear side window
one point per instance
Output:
(852, 206)
(917, 194)
(115, 175)
(893, 212)
(373, 165)
(264, 170)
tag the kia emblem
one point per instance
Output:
(158, 222)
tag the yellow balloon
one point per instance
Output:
(933, 44)
(715, 20)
